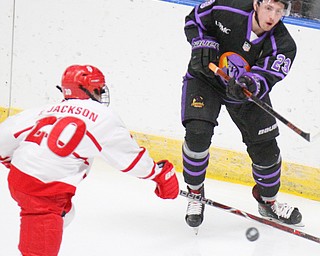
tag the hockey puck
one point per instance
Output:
(252, 234)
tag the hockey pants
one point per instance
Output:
(41, 222)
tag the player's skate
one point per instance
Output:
(194, 216)
(278, 211)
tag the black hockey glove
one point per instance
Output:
(235, 87)
(204, 51)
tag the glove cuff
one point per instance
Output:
(255, 85)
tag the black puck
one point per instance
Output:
(252, 234)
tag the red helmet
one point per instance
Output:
(82, 82)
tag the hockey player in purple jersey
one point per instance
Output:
(248, 40)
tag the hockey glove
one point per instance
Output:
(235, 87)
(167, 182)
(204, 51)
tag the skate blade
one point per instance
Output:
(195, 230)
(299, 225)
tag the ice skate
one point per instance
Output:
(278, 211)
(194, 215)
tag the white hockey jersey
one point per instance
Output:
(52, 148)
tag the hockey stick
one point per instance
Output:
(249, 216)
(261, 104)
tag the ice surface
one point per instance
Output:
(119, 215)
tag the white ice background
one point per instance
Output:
(119, 215)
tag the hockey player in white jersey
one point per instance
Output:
(50, 150)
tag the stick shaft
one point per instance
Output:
(249, 216)
(261, 103)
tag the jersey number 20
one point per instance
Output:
(60, 124)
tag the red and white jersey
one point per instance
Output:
(54, 146)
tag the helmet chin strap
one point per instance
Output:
(59, 88)
(88, 93)
(257, 18)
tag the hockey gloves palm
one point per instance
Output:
(235, 87)
(204, 51)
(167, 182)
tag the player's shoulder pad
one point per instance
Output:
(245, 5)
(281, 33)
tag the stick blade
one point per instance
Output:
(307, 136)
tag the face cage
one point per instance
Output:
(105, 96)
(287, 10)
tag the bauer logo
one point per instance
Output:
(207, 3)
(268, 129)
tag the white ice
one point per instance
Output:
(119, 215)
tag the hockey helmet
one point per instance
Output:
(286, 3)
(84, 82)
